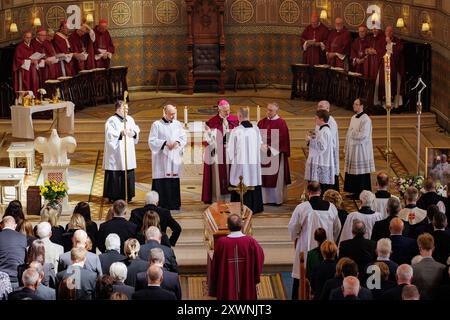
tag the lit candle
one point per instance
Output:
(185, 114)
(258, 113)
(387, 79)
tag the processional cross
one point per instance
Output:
(241, 188)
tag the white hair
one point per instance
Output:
(30, 277)
(323, 105)
(404, 273)
(167, 106)
(152, 197)
(118, 271)
(416, 259)
(351, 285)
(367, 198)
(384, 247)
(43, 230)
(80, 237)
(112, 242)
(152, 233)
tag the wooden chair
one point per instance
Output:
(242, 71)
(171, 72)
(100, 85)
(301, 81)
(117, 82)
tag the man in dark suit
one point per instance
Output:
(171, 281)
(404, 277)
(118, 224)
(154, 291)
(349, 291)
(359, 249)
(112, 253)
(119, 272)
(403, 248)
(153, 240)
(84, 279)
(42, 291)
(30, 279)
(381, 228)
(431, 197)
(165, 217)
(441, 238)
(13, 247)
(428, 274)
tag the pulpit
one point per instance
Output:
(215, 222)
(206, 42)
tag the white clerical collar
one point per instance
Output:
(235, 234)
(276, 117)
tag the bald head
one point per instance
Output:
(323, 105)
(362, 32)
(350, 286)
(170, 112)
(154, 274)
(404, 274)
(234, 222)
(9, 222)
(396, 226)
(339, 23)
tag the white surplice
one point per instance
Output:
(368, 219)
(320, 163)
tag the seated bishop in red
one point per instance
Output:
(237, 264)
(215, 168)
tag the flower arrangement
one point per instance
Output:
(42, 92)
(440, 189)
(53, 191)
(402, 184)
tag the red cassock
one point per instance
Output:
(103, 41)
(50, 71)
(314, 55)
(216, 122)
(338, 42)
(24, 80)
(62, 45)
(236, 268)
(284, 145)
(372, 64)
(397, 67)
(80, 44)
(358, 51)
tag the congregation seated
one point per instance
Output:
(52, 250)
(91, 261)
(154, 291)
(13, 248)
(170, 282)
(43, 291)
(165, 217)
(314, 256)
(51, 215)
(365, 214)
(15, 210)
(384, 284)
(382, 194)
(76, 222)
(381, 228)
(118, 224)
(428, 274)
(411, 213)
(151, 219)
(383, 251)
(153, 240)
(84, 209)
(85, 279)
(441, 238)
(403, 248)
(112, 253)
(104, 287)
(133, 262)
(404, 275)
(431, 197)
(118, 271)
(359, 249)
(325, 269)
(30, 280)
(26, 228)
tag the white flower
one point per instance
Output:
(42, 91)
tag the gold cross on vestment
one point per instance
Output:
(241, 188)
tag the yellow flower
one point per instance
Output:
(46, 182)
(54, 189)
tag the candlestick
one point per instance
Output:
(186, 117)
(258, 113)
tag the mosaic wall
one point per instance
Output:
(150, 33)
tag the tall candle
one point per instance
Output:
(387, 79)
(185, 114)
(258, 113)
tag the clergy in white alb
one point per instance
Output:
(244, 157)
(382, 195)
(167, 140)
(275, 164)
(320, 163)
(364, 214)
(359, 161)
(306, 219)
(114, 154)
(325, 105)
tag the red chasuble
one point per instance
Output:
(50, 71)
(314, 55)
(358, 51)
(397, 67)
(103, 41)
(24, 80)
(236, 268)
(283, 145)
(372, 64)
(216, 122)
(338, 42)
(61, 45)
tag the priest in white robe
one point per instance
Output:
(167, 140)
(320, 163)
(325, 105)
(307, 218)
(359, 161)
(114, 154)
(244, 154)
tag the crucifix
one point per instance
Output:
(241, 188)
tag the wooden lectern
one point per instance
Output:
(215, 221)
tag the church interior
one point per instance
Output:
(257, 49)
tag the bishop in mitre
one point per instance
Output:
(114, 154)
(244, 154)
(167, 140)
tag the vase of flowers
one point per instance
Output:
(403, 183)
(54, 192)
